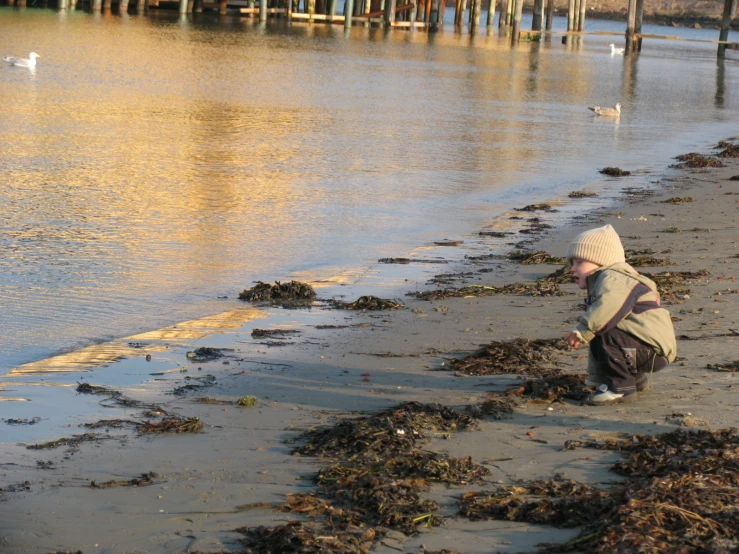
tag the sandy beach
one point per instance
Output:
(199, 488)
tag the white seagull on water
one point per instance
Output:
(616, 51)
(29, 62)
(613, 112)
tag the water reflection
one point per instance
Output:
(178, 161)
(720, 82)
(630, 74)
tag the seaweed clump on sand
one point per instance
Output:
(730, 367)
(536, 208)
(386, 433)
(537, 288)
(581, 194)
(369, 303)
(670, 284)
(292, 294)
(614, 172)
(643, 258)
(258, 333)
(558, 502)
(374, 484)
(511, 357)
(679, 495)
(172, 425)
(677, 200)
(557, 386)
(730, 150)
(144, 480)
(695, 160)
(561, 276)
(530, 258)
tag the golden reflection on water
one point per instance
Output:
(99, 355)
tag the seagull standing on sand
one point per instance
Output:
(29, 62)
(616, 51)
(613, 112)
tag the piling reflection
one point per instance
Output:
(629, 79)
(720, 82)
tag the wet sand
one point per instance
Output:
(237, 471)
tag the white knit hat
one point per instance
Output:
(601, 246)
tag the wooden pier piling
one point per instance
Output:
(728, 15)
(581, 18)
(389, 12)
(475, 10)
(550, 14)
(517, 17)
(348, 13)
(570, 15)
(491, 15)
(538, 16)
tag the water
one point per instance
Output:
(153, 165)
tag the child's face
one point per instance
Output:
(580, 271)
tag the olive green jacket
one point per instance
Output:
(620, 297)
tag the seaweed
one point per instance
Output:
(557, 501)
(614, 172)
(538, 288)
(516, 356)
(729, 150)
(272, 332)
(529, 258)
(205, 354)
(695, 160)
(292, 293)
(386, 433)
(555, 387)
(731, 367)
(144, 480)
(677, 200)
(536, 208)
(405, 261)
(369, 303)
(582, 194)
(679, 495)
(74, 441)
(172, 425)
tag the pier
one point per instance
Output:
(417, 14)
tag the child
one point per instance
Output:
(629, 333)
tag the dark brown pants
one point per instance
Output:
(624, 361)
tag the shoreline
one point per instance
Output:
(377, 361)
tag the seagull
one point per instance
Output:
(29, 62)
(616, 51)
(613, 112)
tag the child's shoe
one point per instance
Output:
(604, 397)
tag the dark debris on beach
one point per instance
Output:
(728, 149)
(538, 257)
(695, 160)
(679, 495)
(671, 284)
(556, 386)
(368, 303)
(517, 356)
(293, 294)
(537, 288)
(730, 367)
(614, 172)
(373, 484)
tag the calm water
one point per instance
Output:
(151, 165)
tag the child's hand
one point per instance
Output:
(573, 340)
